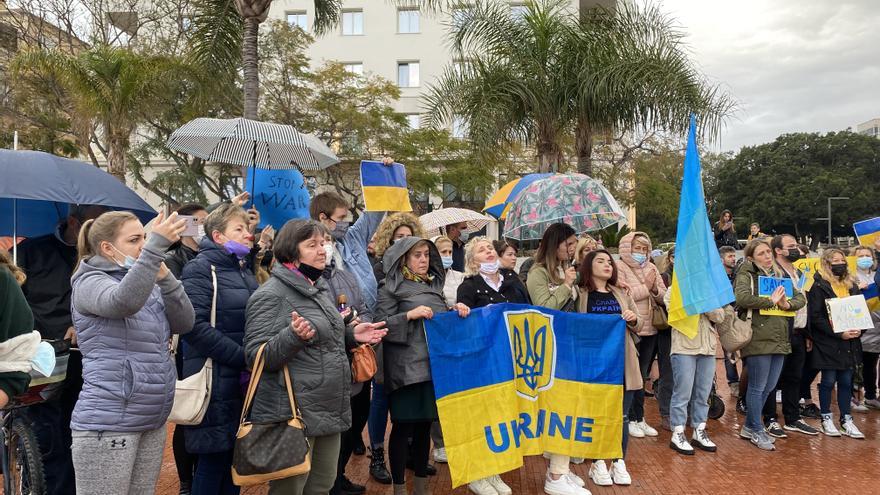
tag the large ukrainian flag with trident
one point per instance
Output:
(699, 282)
(513, 380)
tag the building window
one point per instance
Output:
(408, 74)
(413, 120)
(299, 19)
(518, 11)
(353, 23)
(354, 67)
(459, 127)
(408, 21)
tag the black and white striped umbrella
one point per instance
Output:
(252, 144)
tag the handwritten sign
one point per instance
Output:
(809, 267)
(849, 313)
(279, 195)
(766, 286)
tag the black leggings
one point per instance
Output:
(360, 410)
(869, 359)
(398, 449)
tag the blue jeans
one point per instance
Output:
(844, 379)
(628, 396)
(213, 475)
(378, 421)
(730, 370)
(764, 372)
(693, 376)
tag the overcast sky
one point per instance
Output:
(792, 65)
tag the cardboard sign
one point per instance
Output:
(279, 196)
(809, 267)
(849, 313)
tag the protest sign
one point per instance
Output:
(279, 195)
(849, 313)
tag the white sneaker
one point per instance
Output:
(858, 407)
(679, 443)
(440, 455)
(499, 485)
(646, 429)
(562, 486)
(599, 474)
(873, 403)
(482, 487)
(850, 430)
(577, 460)
(701, 439)
(577, 480)
(619, 473)
(828, 427)
(635, 431)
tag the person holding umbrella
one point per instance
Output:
(48, 262)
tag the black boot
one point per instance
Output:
(377, 466)
(359, 447)
(349, 488)
(430, 470)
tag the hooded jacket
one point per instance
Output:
(124, 320)
(770, 334)
(405, 350)
(644, 282)
(319, 368)
(223, 343)
(830, 350)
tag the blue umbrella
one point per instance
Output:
(37, 187)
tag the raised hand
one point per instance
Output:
(169, 228)
(241, 199)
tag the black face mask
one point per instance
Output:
(839, 270)
(793, 255)
(310, 272)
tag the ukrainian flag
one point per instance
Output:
(513, 380)
(867, 231)
(699, 282)
(384, 187)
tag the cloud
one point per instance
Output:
(793, 66)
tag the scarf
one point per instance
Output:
(412, 276)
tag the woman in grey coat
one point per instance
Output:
(125, 306)
(411, 292)
(295, 316)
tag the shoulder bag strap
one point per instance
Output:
(214, 297)
(252, 386)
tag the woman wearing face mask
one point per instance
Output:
(867, 270)
(219, 282)
(765, 354)
(125, 306)
(296, 318)
(835, 353)
(486, 280)
(647, 290)
(599, 293)
(412, 292)
(551, 283)
(394, 227)
(454, 277)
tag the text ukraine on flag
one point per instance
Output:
(513, 380)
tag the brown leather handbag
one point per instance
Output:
(363, 363)
(269, 451)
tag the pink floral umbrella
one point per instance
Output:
(575, 199)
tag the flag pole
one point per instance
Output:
(15, 211)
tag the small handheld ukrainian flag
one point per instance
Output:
(699, 282)
(867, 231)
(384, 187)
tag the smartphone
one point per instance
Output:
(192, 226)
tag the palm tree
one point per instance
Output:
(549, 78)
(107, 88)
(226, 32)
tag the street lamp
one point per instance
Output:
(839, 198)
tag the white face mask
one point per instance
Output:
(490, 268)
(201, 235)
(328, 249)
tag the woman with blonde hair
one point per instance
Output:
(584, 245)
(836, 351)
(394, 227)
(125, 304)
(485, 281)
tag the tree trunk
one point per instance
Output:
(250, 65)
(116, 159)
(584, 147)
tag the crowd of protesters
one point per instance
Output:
(141, 311)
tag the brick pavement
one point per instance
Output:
(801, 464)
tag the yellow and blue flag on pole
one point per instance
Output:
(867, 231)
(384, 187)
(699, 282)
(513, 380)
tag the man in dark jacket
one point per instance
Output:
(48, 262)
(459, 237)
